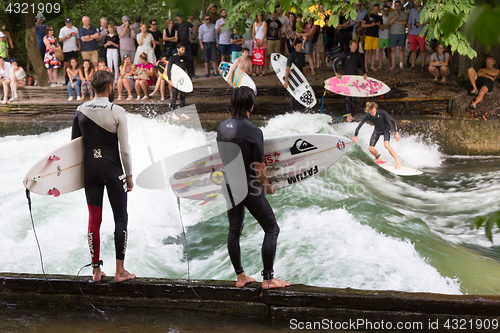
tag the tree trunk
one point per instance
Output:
(32, 48)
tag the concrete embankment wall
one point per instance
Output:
(458, 136)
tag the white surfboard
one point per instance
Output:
(58, 172)
(298, 86)
(239, 79)
(289, 160)
(356, 86)
(403, 171)
(180, 79)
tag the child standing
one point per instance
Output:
(299, 27)
(86, 72)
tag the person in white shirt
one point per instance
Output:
(16, 75)
(70, 39)
(4, 78)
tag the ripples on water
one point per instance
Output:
(354, 226)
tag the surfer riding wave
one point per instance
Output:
(379, 119)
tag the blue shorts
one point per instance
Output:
(210, 52)
(235, 55)
(309, 46)
(398, 40)
(225, 49)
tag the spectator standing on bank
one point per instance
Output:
(273, 38)
(70, 39)
(4, 47)
(414, 35)
(50, 60)
(290, 33)
(103, 31)
(308, 35)
(247, 36)
(40, 33)
(146, 45)
(224, 32)
(4, 79)
(112, 44)
(137, 24)
(127, 38)
(344, 33)
(372, 23)
(319, 47)
(236, 45)
(284, 24)
(193, 34)
(7, 34)
(170, 38)
(157, 37)
(212, 11)
(384, 37)
(358, 33)
(398, 20)
(208, 43)
(89, 36)
(183, 30)
(259, 32)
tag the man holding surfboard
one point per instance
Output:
(379, 119)
(236, 136)
(298, 58)
(180, 60)
(103, 126)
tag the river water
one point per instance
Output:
(353, 226)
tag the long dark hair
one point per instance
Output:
(294, 22)
(243, 100)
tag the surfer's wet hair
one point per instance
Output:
(243, 100)
(370, 106)
(101, 80)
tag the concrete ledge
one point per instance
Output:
(297, 302)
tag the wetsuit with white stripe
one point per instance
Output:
(381, 125)
(103, 126)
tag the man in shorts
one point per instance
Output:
(398, 20)
(384, 37)
(223, 30)
(208, 43)
(414, 35)
(273, 38)
(371, 22)
(70, 38)
(482, 81)
(89, 36)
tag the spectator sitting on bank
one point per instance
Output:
(70, 39)
(74, 81)
(482, 81)
(439, 64)
(146, 45)
(16, 75)
(127, 38)
(112, 43)
(143, 76)
(4, 47)
(40, 33)
(86, 71)
(50, 59)
(236, 43)
(161, 68)
(126, 79)
(4, 78)
(101, 65)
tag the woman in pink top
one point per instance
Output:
(144, 68)
(310, 30)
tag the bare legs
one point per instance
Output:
(401, 56)
(387, 146)
(443, 71)
(141, 84)
(120, 275)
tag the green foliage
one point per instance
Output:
(484, 25)
(489, 221)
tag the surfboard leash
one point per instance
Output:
(78, 282)
(322, 101)
(28, 196)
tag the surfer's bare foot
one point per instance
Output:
(398, 165)
(123, 275)
(243, 279)
(274, 283)
(97, 274)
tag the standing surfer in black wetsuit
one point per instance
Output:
(352, 60)
(103, 126)
(236, 136)
(379, 119)
(180, 60)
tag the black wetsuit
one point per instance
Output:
(180, 61)
(299, 59)
(103, 126)
(351, 61)
(381, 125)
(248, 139)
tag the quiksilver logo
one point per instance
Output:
(301, 146)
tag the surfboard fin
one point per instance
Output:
(55, 192)
(54, 158)
(37, 179)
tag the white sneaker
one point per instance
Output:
(53, 84)
(162, 99)
(13, 98)
(78, 98)
(70, 98)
